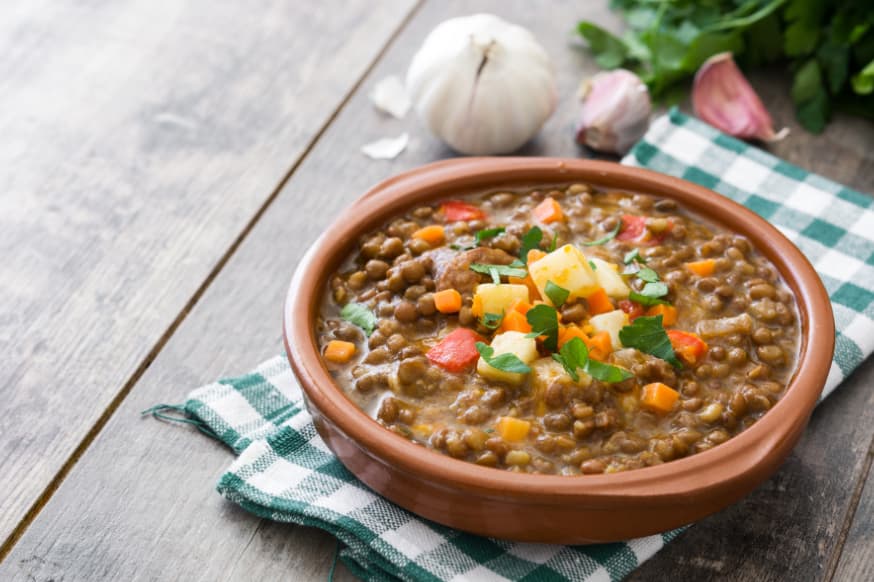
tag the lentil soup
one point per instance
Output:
(560, 330)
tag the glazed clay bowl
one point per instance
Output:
(552, 508)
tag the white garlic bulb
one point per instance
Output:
(482, 85)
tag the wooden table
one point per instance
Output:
(162, 169)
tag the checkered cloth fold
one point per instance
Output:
(286, 473)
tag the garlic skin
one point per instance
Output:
(482, 85)
(723, 97)
(615, 113)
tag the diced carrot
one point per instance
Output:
(668, 313)
(658, 397)
(568, 332)
(457, 351)
(513, 429)
(514, 321)
(599, 302)
(455, 210)
(702, 268)
(433, 235)
(600, 345)
(534, 255)
(548, 211)
(447, 301)
(521, 306)
(339, 352)
(477, 307)
(687, 345)
(533, 291)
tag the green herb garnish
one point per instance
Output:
(360, 315)
(530, 240)
(497, 271)
(492, 320)
(503, 362)
(543, 320)
(593, 265)
(574, 354)
(488, 233)
(553, 243)
(607, 238)
(648, 335)
(633, 256)
(557, 294)
(648, 275)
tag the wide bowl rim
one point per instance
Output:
(674, 481)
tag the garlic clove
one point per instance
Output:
(723, 97)
(390, 96)
(387, 148)
(615, 112)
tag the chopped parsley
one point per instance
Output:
(503, 362)
(574, 354)
(488, 233)
(557, 294)
(530, 240)
(543, 320)
(648, 335)
(593, 265)
(360, 315)
(492, 320)
(648, 275)
(651, 294)
(607, 238)
(497, 271)
(633, 256)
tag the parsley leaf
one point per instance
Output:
(530, 240)
(574, 354)
(648, 275)
(503, 362)
(633, 256)
(492, 320)
(358, 314)
(650, 294)
(593, 265)
(553, 243)
(648, 335)
(557, 294)
(543, 320)
(607, 238)
(610, 51)
(488, 233)
(497, 271)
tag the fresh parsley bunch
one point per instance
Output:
(828, 44)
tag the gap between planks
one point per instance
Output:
(34, 510)
(850, 516)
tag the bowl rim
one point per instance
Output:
(673, 481)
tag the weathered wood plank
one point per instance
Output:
(157, 515)
(139, 140)
(857, 559)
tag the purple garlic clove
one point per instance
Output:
(615, 113)
(723, 97)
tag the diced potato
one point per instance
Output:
(611, 322)
(491, 298)
(742, 323)
(609, 278)
(566, 267)
(545, 370)
(509, 342)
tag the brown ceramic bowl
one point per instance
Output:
(551, 508)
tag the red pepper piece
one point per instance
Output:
(456, 210)
(688, 346)
(632, 308)
(457, 351)
(634, 230)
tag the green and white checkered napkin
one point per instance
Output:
(286, 473)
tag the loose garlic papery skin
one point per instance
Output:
(615, 113)
(482, 85)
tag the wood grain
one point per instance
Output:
(139, 140)
(857, 559)
(140, 503)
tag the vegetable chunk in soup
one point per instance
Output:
(561, 330)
